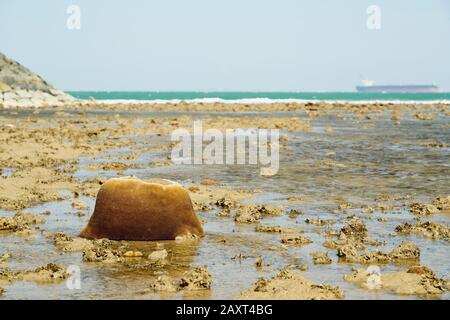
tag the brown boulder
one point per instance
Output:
(132, 209)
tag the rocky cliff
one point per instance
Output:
(19, 87)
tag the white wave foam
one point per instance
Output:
(265, 101)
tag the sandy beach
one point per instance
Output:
(358, 186)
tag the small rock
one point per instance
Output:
(163, 283)
(223, 213)
(405, 251)
(208, 182)
(253, 213)
(423, 116)
(294, 213)
(295, 240)
(5, 257)
(158, 255)
(442, 203)
(321, 258)
(79, 205)
(100, 254)
(194, 188)
(423, 209)
(427, 229)
(348, 252)
(197, 279)
(133, 254)
(420, 270)
(225, 203)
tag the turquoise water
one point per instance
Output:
(261, 96)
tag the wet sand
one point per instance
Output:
(356, 182)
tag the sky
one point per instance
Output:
(228, 45)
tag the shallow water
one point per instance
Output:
(383, 159)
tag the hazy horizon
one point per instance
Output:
(251, 46)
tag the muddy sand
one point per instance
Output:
(358, 186)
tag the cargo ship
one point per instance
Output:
(369, 87)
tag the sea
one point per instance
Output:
(260, 97)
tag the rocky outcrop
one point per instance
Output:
(417, 280)
(290, 285)
(131, 209)
(19, 87)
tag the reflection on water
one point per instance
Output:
(354, 163)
